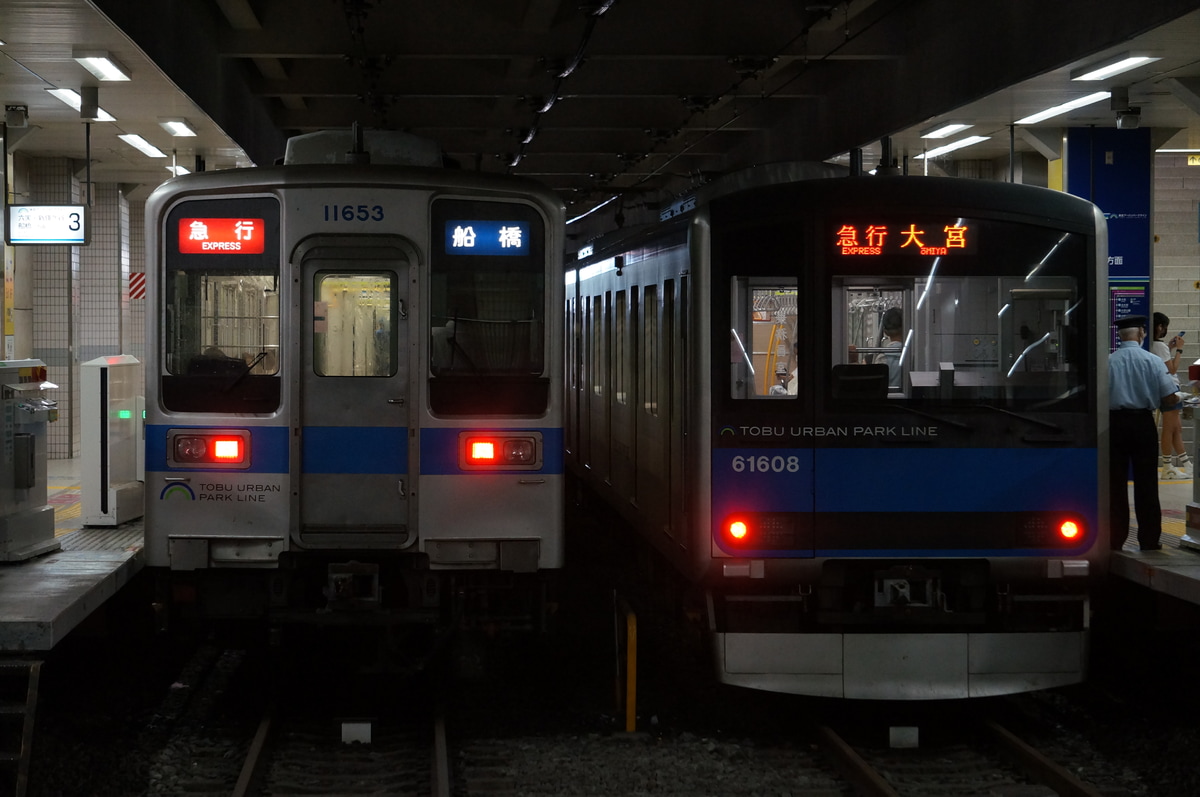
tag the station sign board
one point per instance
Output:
(47, 224)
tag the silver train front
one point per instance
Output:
(348, 386)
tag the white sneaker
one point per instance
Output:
(1172, 473)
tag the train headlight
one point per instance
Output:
(516, 450)
(208, 449)
(190, 449)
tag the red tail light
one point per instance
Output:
(227, 449)
(1070, 530)
(517, 450)
(739, 531)
(481, 452)
(200, 447)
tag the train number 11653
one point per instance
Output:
(353, 212)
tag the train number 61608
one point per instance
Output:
(766, 464)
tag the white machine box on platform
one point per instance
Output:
(111, 483)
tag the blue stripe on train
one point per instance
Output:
(350, 449)
(897, 481)
(354, 449)
(905, 480)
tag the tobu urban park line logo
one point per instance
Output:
(177, 490)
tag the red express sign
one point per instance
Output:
(221, 236)
(904, 239)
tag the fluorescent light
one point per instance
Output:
(72, 98)
(1066, 106)
(177, 127)
(948, 129)
(1113, 66)
(178, 170)
(139, 143)
(101, 64)
(964, 142)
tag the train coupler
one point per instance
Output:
(352, 586)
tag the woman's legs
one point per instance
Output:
(1174, 455)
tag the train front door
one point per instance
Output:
(355, 398)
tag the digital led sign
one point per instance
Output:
(47, 224)
(870, 239)
(239, 236)
(487, 237)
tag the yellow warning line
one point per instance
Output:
(68, 511)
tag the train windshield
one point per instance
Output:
(487, 308)
(221, 306)
(982, 313)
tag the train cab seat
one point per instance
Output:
(855, 382)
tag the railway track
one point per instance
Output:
(307, 755)
(985, 760)
(309, 738)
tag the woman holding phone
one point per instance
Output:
(1174, 462)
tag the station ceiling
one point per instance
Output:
(638, 99)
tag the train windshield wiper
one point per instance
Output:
(931, 416)
(246, 369)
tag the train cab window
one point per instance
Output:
(763, 347)
(1002, 323)
(487, 328)
(354, 328)
(220, 310)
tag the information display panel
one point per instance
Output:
(47, 224)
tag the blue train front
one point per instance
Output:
(885, 460)
(349, 392)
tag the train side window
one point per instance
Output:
(763, 347)
(651, 353)
(620, 352)
(354, 329)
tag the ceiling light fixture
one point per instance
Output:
(1111, 66)
(72, 98)
(101, 64)
(141, 144)
(1079, 102)
(945, 130)
(177, 127)
(178, 170)
(964, 142)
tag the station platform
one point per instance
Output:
(1175, 570)
(42, 599)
